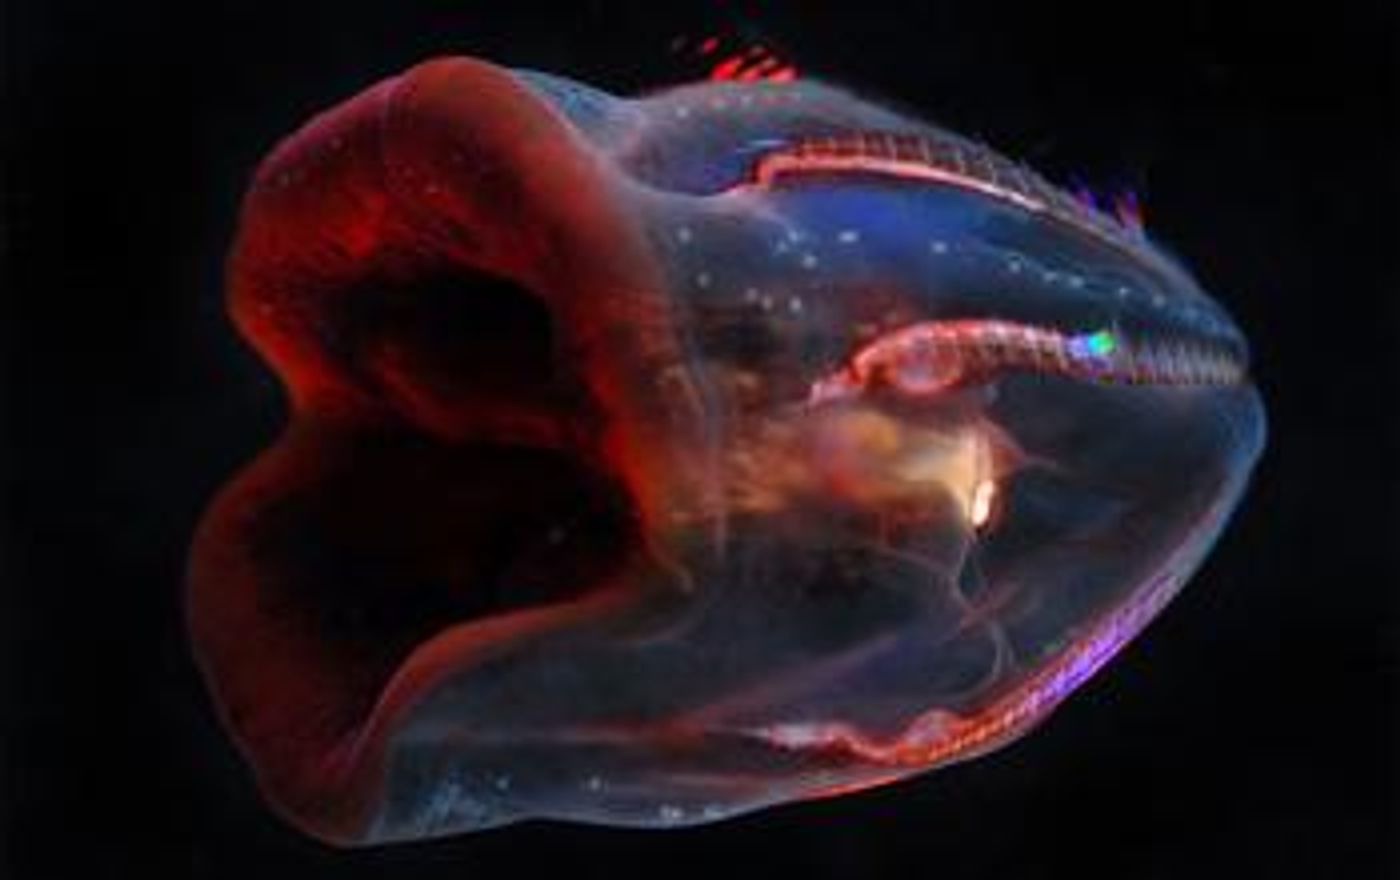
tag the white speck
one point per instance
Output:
(794, 305)
(502, 783)
(1123, 293)
(682, 112)
(593, 783)
(848, 236)
(809, 261)
(670, 813)
(684, 235)
(751, 294)
(1158, 301)
(1013, 266)
(794, 236)
(939, 246)
(711, 811)
(702, 280)
(766, 303)
(1075, 281)
(1051, 277)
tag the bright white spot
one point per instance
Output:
(670, 813)
(1013, 266)
(939, 246)
(794, 305)
(702, 280)
(980, 510)
(848, 236)
(1076, 281)
(809, 261)
(684, 235)
(766, 303)
(594, 783)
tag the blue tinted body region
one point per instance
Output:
(800, 447)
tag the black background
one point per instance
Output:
(1251, 732)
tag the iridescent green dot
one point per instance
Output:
(1102, 343)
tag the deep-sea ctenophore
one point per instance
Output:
(653, 461)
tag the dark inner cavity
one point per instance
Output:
(471, 342)
(398, 534)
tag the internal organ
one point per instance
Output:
(933, 358)
(654, 461)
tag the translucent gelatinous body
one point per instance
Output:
(652, 461)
